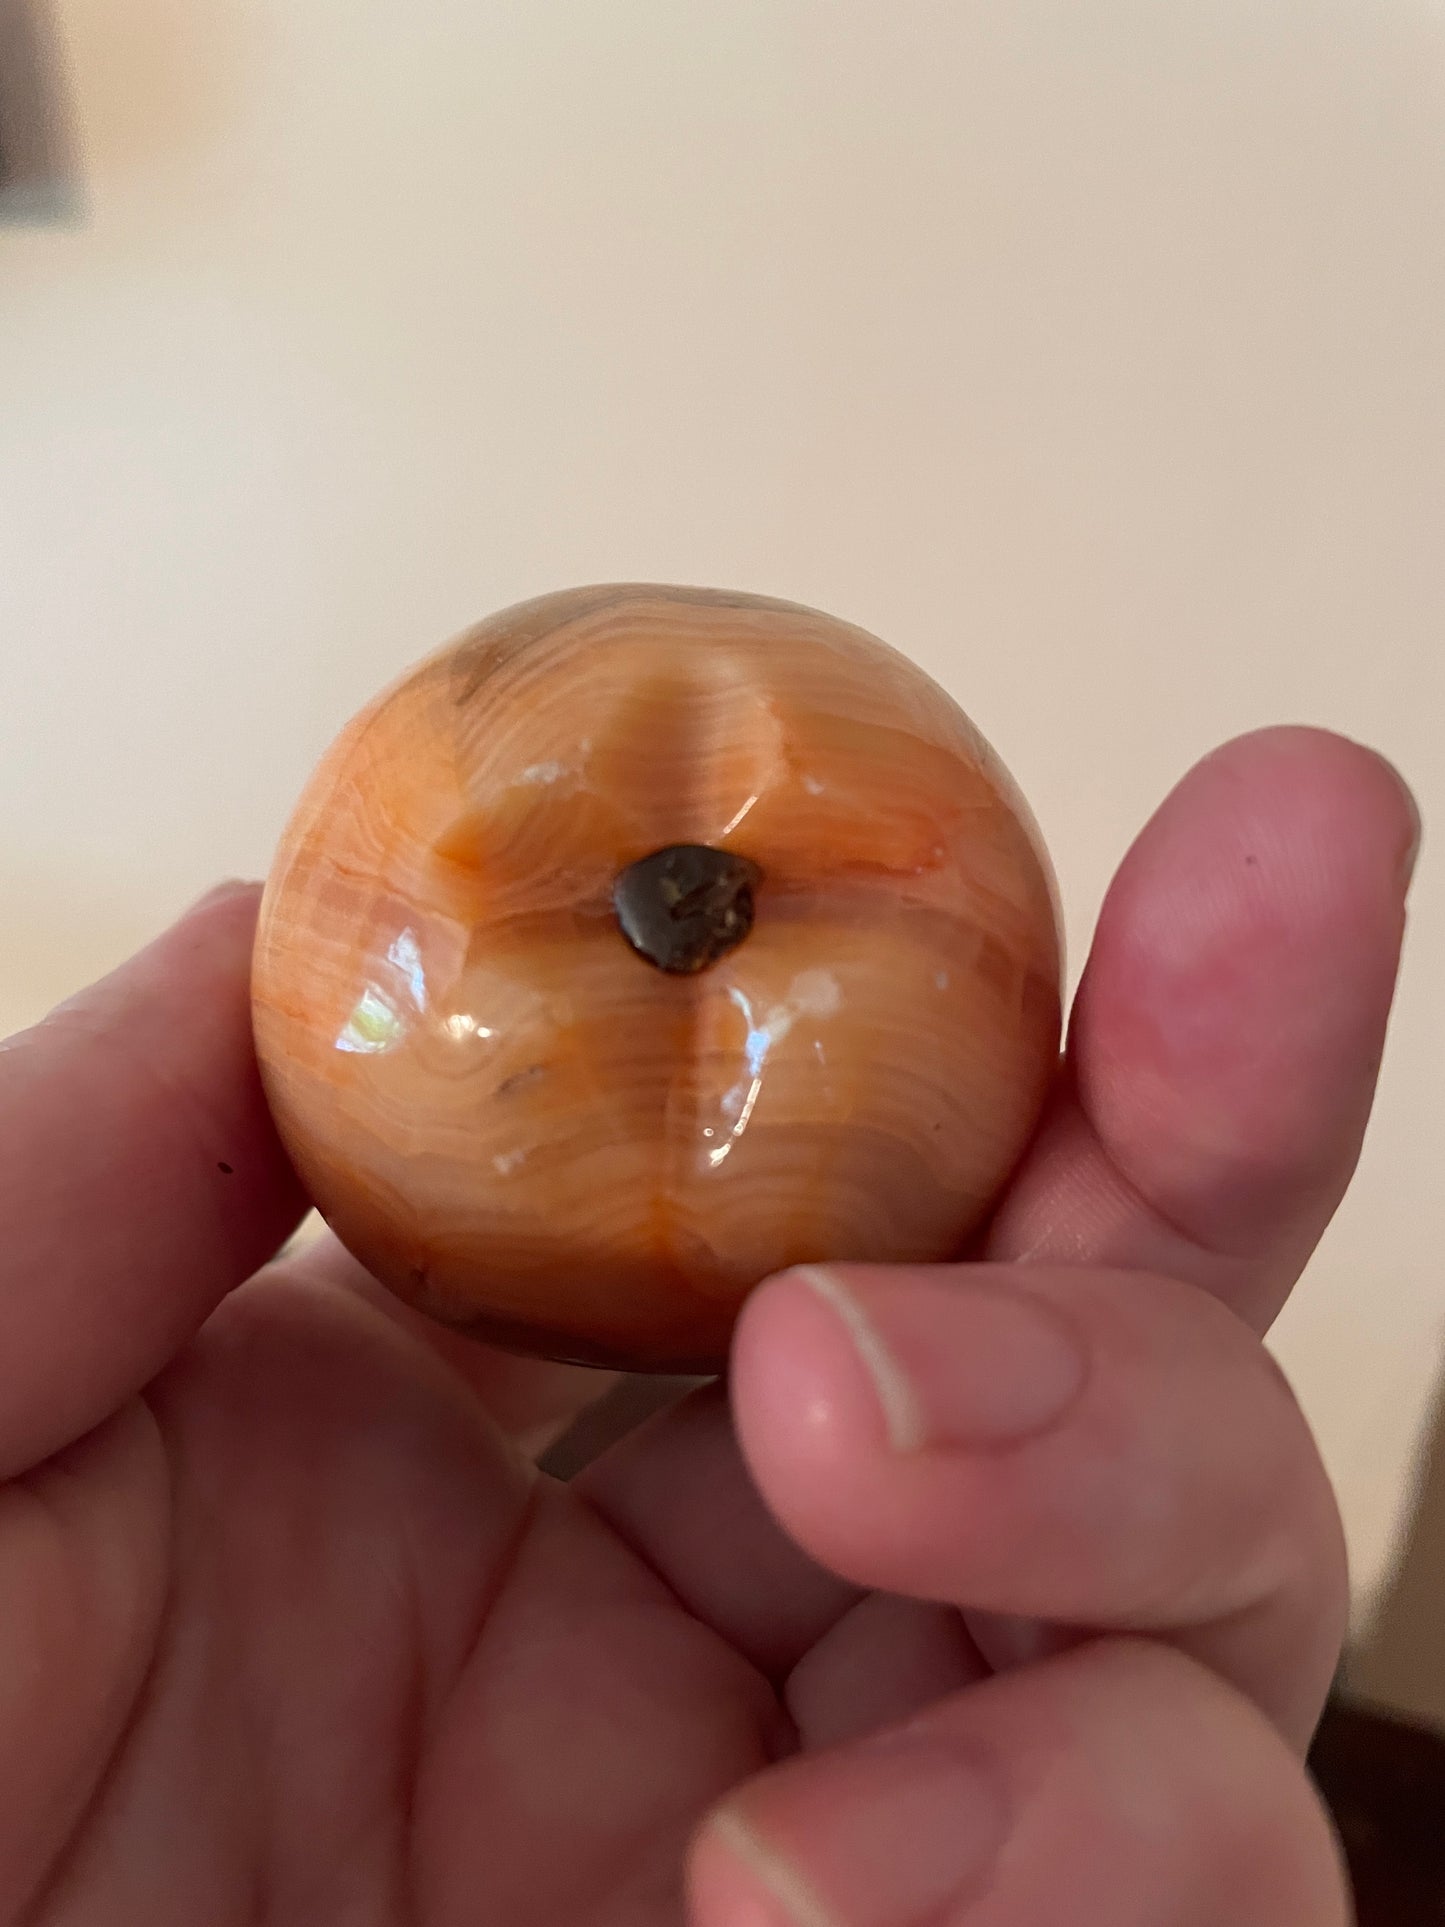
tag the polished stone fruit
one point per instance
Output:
(640, 944)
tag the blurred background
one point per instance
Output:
(1093, 354)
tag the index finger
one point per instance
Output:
(140, 1177)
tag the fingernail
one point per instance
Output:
(954, 1362)
(219, 893)
(783, 1883)
(1410, 854)
(900, 1830)
(1412, 848)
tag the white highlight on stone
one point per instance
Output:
(813, 993)
(543, 773)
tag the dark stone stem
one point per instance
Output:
(684, 907)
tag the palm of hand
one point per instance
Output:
(385, 1674)
(296, 1635)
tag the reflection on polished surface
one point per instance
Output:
(640, 944)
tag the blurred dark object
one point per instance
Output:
(1401, 1661)
(36, 177)
(630, 1403)
(1384, 1781)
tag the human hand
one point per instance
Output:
(1005, 1593)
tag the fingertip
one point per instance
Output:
(141, 1175)
(1294, 791)
(1414, 820)
(887, 1831)
(853, 1384)
(795, 1382)
(1230, 1024)
(231, 891)
(736, 1880)
(212, 936)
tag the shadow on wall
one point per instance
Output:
(156, 77)
(1401, 1661)
(37, 156)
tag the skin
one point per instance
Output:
(989, 1595)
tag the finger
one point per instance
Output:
(532, 1400)
(1100, 1449)
(1226, 1037)
(84, 1551)
(882, 1661)
(140, 1177)
(1116, 1786)
(678, 1493)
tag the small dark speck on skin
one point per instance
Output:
(226, 1170)
(1251, 862)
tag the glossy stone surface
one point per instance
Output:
(525, 1122)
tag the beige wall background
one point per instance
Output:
(1093, 353)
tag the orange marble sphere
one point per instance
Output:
(640, 944)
